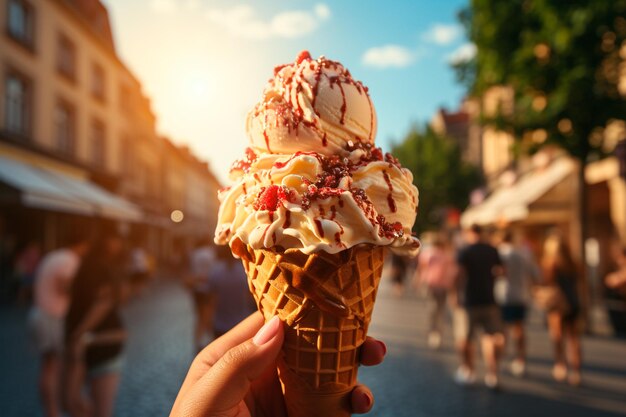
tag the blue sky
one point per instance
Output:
(204, 63)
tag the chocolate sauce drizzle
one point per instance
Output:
(390, 201)
(287, 222)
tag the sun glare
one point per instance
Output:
(197, 85)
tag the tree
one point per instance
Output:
(443, 179)
(562, 60)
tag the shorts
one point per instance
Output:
(111, 366)
(46, 331)
(488, 318)
(513, 313)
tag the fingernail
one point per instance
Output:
(267, 332)
(367, 399)
(383, 346)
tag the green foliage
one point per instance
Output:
(566, 52)
(443, 179)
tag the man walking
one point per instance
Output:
(52, 286)
(479, 264)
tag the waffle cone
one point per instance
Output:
(326, 300)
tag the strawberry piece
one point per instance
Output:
(302, 56)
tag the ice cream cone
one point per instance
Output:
(326, 300)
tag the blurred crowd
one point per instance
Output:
(75, 294)
(488, 281)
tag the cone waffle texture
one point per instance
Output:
(326, 300)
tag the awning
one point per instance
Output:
(51, 190)
(512, 203)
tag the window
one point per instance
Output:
(127, 156)
(17, 104)
(66, 57)
(98, 144)
(152, 185)
(97, 82)
(125, 98)
(64, 122)
(20, 25)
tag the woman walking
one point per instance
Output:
(560, 272)
(94, 332)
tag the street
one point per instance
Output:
(413, 380)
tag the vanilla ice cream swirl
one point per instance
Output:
(312, 105)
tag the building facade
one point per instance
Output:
(77, 134)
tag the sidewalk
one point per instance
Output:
(413, 381)
(416, 381)
(159, 351)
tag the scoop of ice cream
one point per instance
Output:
(313, 202)
(312, 105)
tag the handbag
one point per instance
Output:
(550, 298)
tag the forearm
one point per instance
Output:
(108, 337)
(93, 317)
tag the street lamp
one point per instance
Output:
(177, 216)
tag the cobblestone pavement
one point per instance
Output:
(158, 353)
(413, 381)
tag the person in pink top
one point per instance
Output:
(53, 280)
(437, 270)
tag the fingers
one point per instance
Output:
(239, 334)
(362, 399)
(372, 352)
(227, 382)
(211, 354)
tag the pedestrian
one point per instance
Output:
(202, 258)
(615, 283)
(437, 271)
(513, 295)
(236, 374)
(399, 265)
(52, 283)
(26, 263)
(94, 332)
(561, 274)
(139, 267)
(479, 264)
(228, 285)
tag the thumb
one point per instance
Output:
(227, 383)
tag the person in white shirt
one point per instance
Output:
(513, 295)
(140, 265)
(53, 281)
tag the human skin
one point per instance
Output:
(236, 374)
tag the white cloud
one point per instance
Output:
(163, 6)
(170, 6)
(293, 24)
(192, 4)
(463, 53)
(388, 56)
(442, 34)
(243, 21)
(322, 11)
